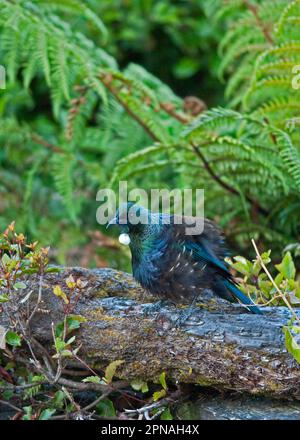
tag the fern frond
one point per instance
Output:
(290, 155)
(62, 172)
(76, 7)
(131, 160)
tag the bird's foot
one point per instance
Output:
(183, 317)
(185, 314)
(155, 308)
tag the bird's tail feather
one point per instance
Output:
(244, 299)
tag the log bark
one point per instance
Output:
(221, 345)
(242, 407)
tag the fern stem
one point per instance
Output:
(169, 109)
(223, 184)
(112, 90)
(39, 140)
(260, 23)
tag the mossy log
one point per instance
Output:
(221, 345)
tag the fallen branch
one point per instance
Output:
(222, 345)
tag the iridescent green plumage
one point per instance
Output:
(174, 265)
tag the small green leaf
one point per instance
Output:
(265, 256)
(13, 339)
(71, 340)
(7, 394)
(162, 380)
(111, 369)
(20, 285)
(166, 415)
(4, 298)
(5, 260)
(265, 286)
(60, 294)
(58, 399)
(52, 269)
(28, 413)
(46, 414)
(66, 353)
(287, 267)
(140, 385)
(59, 344)
(159, 395)
(74, 321)
(241, 265)
(59, 329)
(295, 329)
(297, 289)
(92, 379)
(186, 67)
(105, 408)
(278, 279)
(145, 388)
(291, 344)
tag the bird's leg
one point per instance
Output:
(186, 313)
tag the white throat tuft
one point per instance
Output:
(124, 239)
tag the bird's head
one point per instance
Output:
(139, 227)
(131, 218)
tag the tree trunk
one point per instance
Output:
(222, 345)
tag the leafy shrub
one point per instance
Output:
(32, 377)
(258, 285)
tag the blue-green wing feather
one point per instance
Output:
(244, 299)
(200, 251)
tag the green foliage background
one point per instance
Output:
(95, 94)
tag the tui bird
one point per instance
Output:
(173, 265)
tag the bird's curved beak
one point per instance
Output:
(113, 221)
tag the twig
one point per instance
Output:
(73, 373)
(59, 366)
(36, 362)
(84, 364)
(144, 410)
(39, 298)
(44, 352)
(71, 399)
(270, 300)
(3, 402)
(82, 386)
(96, 401)
(20, 387)
(71, 415)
